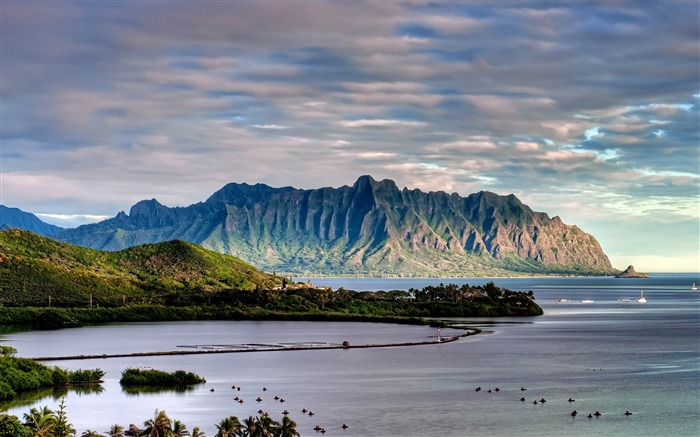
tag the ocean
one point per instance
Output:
(613, 355)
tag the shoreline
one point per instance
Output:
(470, 332)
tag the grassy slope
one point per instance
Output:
(33, 267)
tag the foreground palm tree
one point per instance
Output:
(288, 428)
(266, 427)
(42, 422)
(90, 433)
(197, 433)
(116, 431)
(180, 429)
(249, 427)
(159, 426)
(228, 427)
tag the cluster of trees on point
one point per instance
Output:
(44, 422)
(20, 375)
(432, 301)
(135, 377)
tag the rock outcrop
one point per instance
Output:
(629, 272)
(371, 227)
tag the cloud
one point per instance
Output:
(70, 220)
(269, 126)
(595, 102)
(374, 155)
(380, 122)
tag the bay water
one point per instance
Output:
(612, 355)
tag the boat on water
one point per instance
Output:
(562, 300)
(587, 301)
(641, 298)
(693, 287)
(622, 299)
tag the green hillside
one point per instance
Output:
(36, 269)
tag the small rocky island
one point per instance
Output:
(631, 273)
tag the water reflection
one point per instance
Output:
(54, 393)
(136, 390)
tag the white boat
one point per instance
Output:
(562, 300)
(587, 301)
(693, 287)
(622, 299)
(641, 298)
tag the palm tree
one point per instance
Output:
(288, 428)
(249, 427)
(159, 426)
(90, 433)
(229, 427)
(180, 429)
(42, 422)
(197, 433)
(116, 431)
(265, 427)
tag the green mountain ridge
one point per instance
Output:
(34, 269)
(369, 228)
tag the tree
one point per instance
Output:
(265, 427)
(288, 428)
(63, 428)
(116, 431)
(7, 351)
(10, 426)
(248, 428)
(229, 427)
(90, 433)
(159, 426)
(180, 430)
(42, 422)
(197, 433)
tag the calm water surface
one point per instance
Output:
(610, 356)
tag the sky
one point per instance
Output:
(584, 110)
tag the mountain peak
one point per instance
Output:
(145, 207)
(368, 182)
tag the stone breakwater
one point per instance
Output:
(264, 348)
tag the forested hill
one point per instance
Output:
(34, 268)
(369, 228)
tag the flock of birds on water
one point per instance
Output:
(344, 426)
(574, 413)
(317, 428)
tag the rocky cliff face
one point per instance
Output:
(371, 227)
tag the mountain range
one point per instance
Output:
(16, 218)
(369, 228)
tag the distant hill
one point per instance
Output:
(369, 228)
(16, 218)
(33, 267)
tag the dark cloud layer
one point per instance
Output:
(588, 110)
